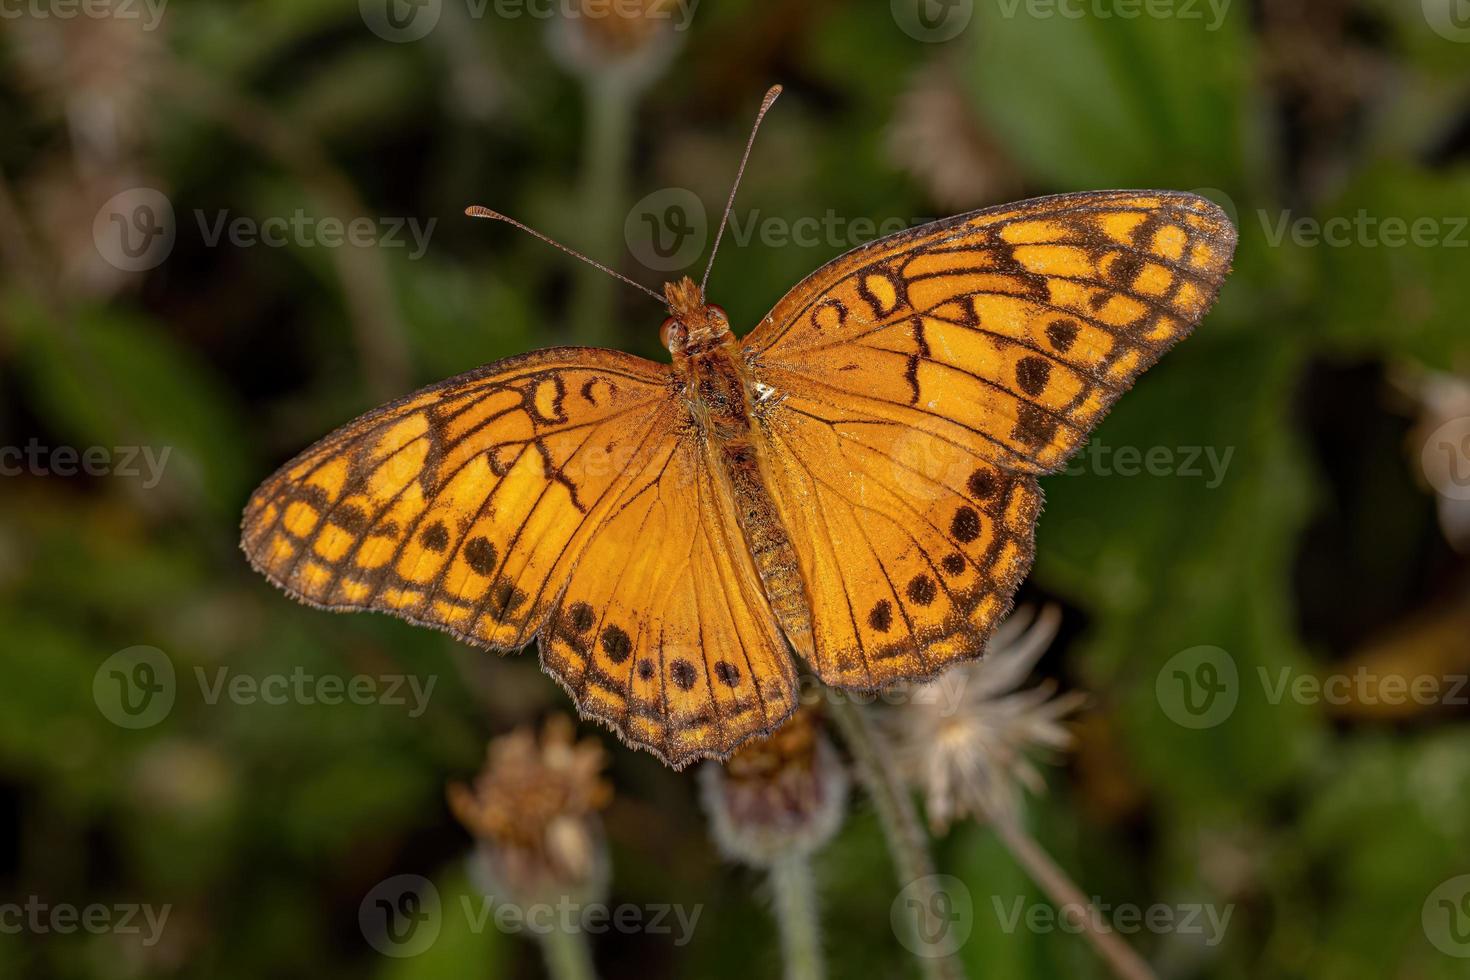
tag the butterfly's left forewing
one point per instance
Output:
(453, 506)
(918, 386)
(557, 494)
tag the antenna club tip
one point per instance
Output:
(476, 211)
(771, 94)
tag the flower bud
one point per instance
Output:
(777, 797)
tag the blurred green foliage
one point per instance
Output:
(264, 825)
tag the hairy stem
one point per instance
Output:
(567, 955)
(907, 843)
(796, 918)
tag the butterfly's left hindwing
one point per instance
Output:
(663, 630)
(555, 494)
(921, 383)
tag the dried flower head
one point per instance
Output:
(968, 756)
(95, 72)
(533, 808)
(777, 797)
(617, 41)
(937, 136)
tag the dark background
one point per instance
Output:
(1327, 363)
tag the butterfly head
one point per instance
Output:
(694, 326)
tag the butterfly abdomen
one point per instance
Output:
(717, 382)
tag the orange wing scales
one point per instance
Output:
(973, 354)
(562, 494)
(1023, 324)
(441, 507)
(911, 544)
(677, 648)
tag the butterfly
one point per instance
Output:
(854, 481)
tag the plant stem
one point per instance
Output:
(796, 918)
(604, 176)
(567, 955)
(900, 820)
(1068, 898)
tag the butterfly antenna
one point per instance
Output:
(766, 104)
(481, 212)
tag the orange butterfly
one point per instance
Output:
(856, 478)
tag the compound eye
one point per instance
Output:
(666, 333)
(721, 311)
